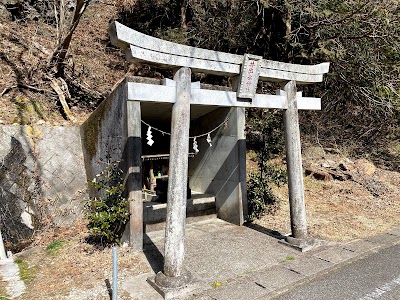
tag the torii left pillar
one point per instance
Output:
(175, 280)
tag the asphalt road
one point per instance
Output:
(374, 277)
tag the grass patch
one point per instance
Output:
(3, 295)
(216, 284)
(54, 246)
(289, 258)
(25, 272)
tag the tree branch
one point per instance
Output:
(58, 56)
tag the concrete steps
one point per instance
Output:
(198, 208)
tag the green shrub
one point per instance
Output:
(260, 197)
(108, 213)
(265, 138)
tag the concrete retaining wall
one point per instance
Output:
(104, 134)
(41, 173)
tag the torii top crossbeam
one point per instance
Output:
(141, 47)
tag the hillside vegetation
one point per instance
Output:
(57, 65)
(50, 64)
(50, 52)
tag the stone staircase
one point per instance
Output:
(198, 208)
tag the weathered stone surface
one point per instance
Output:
(218, 251)
(104, 134)
(141, 47)
(133, 167)
(3, 254)
(276, 277)
(41, 169)
(178, 172)
(16, 201)
(139, 287)
(294, 164)
(243, 289)
(383, 238)
(360, 246)
(308, 266)
(9, 273)
(336, 255)
(220, 170)
(395, 231)
(167, 94)
(177, 287)
(319, 174)
(301, 244)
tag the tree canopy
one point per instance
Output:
(360, 38)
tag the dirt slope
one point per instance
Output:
(356, 200)
(93, 67)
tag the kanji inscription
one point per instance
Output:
(249, 76)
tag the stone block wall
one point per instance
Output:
(41, 175)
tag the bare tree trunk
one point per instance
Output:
(184, 6)
(288, 25)
(58, 56)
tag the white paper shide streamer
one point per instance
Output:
(149, 138)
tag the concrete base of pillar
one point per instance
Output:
(174, 287)
(302, 245)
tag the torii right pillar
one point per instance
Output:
(295, 170)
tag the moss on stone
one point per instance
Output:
(91, 128)
(28, 111)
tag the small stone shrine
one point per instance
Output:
(191, 138)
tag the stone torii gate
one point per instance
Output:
(246, 71)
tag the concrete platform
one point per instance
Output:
(199, 207)
(236, 263)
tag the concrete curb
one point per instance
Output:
(389, 239)
(9, 273)
(305, 268)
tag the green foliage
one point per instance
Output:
(54, 246)
(361, 39)
(260, 197)
(25, 272)
(289, 258)
(265, 137)
(276, 174)
(175, 35)
(265, 132)
(108, 213)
